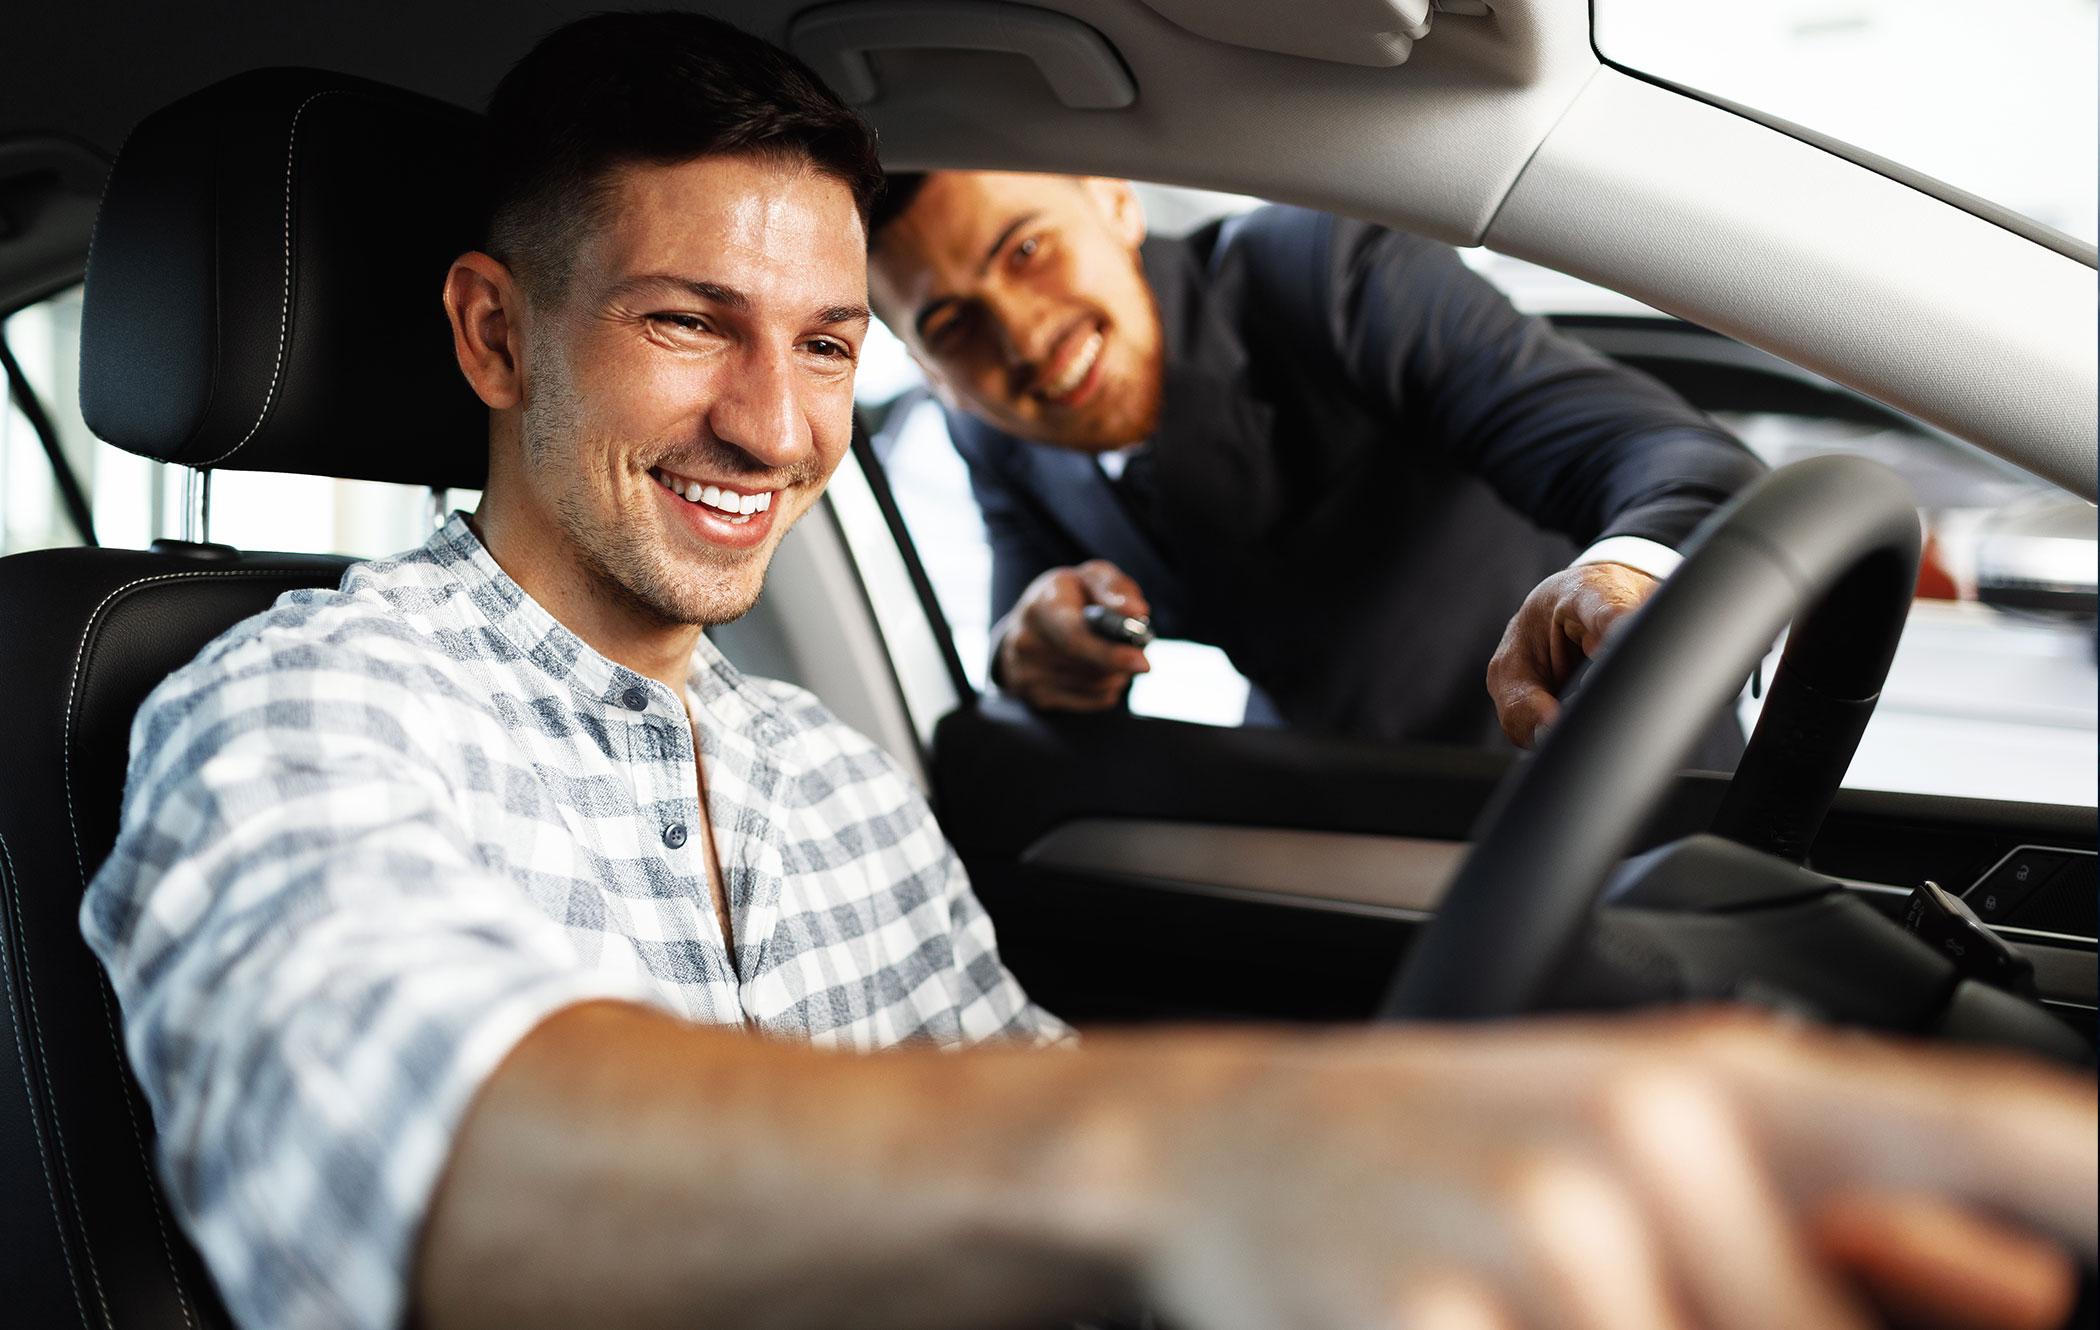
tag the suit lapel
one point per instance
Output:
(1078, 498)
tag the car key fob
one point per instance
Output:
(1130, 630)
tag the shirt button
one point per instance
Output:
(634, 699)
(674, 835)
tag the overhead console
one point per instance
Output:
(1083, 70)
(1379, 33)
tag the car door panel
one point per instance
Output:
(1143, 870)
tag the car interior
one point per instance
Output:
(261, 213)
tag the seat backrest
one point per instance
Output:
(262, 294)
(84, 1235)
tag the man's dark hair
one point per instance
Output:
(613, 90)
(899, 188)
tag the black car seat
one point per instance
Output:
(262, 294)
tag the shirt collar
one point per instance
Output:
(718, 687)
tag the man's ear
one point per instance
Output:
(486, 307)
(1117, 202)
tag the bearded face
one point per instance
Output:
(1023, 298)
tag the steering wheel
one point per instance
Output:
(1830, 544)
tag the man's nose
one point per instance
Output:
(1024, 330)
(759, 410)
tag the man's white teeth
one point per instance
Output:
(1076, 368)
(737, 506)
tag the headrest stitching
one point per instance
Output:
(284, 320)
(102, 203)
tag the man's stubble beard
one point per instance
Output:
(1139, 418)
(622, 561)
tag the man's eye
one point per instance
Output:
(829, 349)
(682, 322)
(1027, 249)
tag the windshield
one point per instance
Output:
(1996, 100)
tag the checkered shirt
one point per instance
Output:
(373, 836)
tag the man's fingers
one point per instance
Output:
(1598, 599)
(1063, 631)
(1597, 1264)
(1998, 1132)
(1072, 699)
(1456, 1302)
(1524, 705)
(1528, 714)
(1109, 585)
(1935, 1266)
(1590, 620)
(1564, 620)
(1527, 670)
(1741, 1259)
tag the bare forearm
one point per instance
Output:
(626, 1168)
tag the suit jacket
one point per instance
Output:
(1365, 459)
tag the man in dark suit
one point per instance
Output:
(1324, 446)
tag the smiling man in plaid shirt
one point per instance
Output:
(486, 942)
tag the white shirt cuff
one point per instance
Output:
(1643, 556)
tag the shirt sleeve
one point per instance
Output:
(1577, 442)
(1643, 556)
(994, 1005)
(317, 970)
(990, 1003)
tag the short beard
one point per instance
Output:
(1140, 420)
(1145, 417)
(620, 560)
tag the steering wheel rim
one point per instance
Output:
(1830, 544)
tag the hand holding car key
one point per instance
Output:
(1112, 625)
(1075, 639)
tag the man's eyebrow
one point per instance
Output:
(991, 252)
(713, 292)
(729, 297)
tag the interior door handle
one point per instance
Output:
(1083, 70)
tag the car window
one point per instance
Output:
(1994, 100)
(1993, 692)
(133, 501)
(43, 339)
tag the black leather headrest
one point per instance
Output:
(263, 287)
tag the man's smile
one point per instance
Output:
(719, 514)
(1072, 372)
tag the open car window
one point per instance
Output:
(1992, 694)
